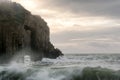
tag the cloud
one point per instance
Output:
(110, 32)
(106, 8)
(80, 25)
(103, 40)
(68, 14)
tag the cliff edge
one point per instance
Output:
(20, 30)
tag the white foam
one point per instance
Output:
(57, 69)
(27, 61)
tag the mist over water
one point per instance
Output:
(69, 67)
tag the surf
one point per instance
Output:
(69, 67)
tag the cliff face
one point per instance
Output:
(19, 29)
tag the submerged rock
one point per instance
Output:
(19, 30)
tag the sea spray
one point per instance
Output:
(71, 67)
(27, 61)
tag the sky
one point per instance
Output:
(80, 26)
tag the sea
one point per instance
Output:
(68, 67)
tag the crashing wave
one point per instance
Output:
(19, 72)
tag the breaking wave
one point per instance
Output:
(68, 68)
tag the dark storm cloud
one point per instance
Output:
(107, 8)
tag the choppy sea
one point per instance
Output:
(68, 67)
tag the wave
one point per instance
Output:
(97, 73)
(20, 72)
(71, 67)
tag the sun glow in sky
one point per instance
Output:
(28, 4)
(65, 21)
(81, 25)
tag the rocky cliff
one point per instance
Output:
(19, 30)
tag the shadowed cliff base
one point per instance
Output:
(19, 29)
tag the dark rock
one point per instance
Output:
(19, 29)
(54, 54)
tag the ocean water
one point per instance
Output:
(69, 67)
